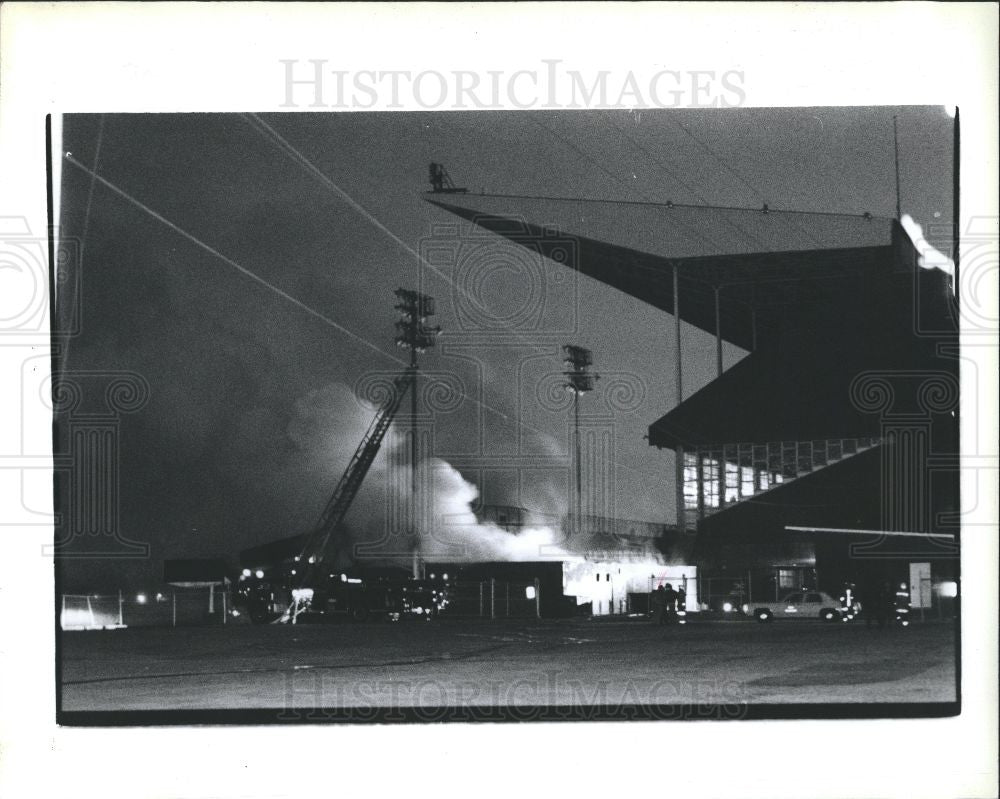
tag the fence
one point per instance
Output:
(182, 607)
(493, 599)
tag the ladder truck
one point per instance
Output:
(316, 586)
(313, 588)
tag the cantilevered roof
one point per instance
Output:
(799, 387)
(674, 231)
(765, 260)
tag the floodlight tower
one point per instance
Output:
(579, 381)
(414, 334)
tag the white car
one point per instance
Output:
(800, 605)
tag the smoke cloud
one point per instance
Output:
(454, 533)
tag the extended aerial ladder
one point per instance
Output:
(317, 546)
(415, 335)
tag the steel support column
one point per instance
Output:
(718, 334)
(679, 450)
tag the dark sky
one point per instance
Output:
(251, 416)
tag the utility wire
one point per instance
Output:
(226, 259)
(298, 303)
(725, 164)
(301, 159)
(649, 200)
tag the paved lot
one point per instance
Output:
(577, 663)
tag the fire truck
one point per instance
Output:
(360, 598)
(310, 588)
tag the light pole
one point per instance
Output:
(579, 381)
(414, 334)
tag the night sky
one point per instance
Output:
(252, 416)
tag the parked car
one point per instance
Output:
(798, 605)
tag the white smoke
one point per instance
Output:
(453, 532)
(929, 256)
(604, 579)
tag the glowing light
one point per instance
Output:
(948, 589)
(302, 594)
(259, 574)
(246, 572)
(929, 256)
(444, 576)
(234, 612)
(294, 572)
(141, 599)
(746, 608)
(727, 607)
(159, 597)
(312, 558)
(529, 592)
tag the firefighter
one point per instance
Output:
(681, 605)
(670, 598)
(659, 605)
(847, 601)
(903, 605)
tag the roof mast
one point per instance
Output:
(895, 147)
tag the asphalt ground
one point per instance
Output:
(578, 663)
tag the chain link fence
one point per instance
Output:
(189, 607)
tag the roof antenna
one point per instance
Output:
(895, 141)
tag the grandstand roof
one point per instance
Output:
(767, 260)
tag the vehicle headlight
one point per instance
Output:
(746, 608)
(727, 607)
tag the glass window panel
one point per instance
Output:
(789, 466)
(805, 456)
(819, 453)
(710, 482)
(732, 482)
(774, 456)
